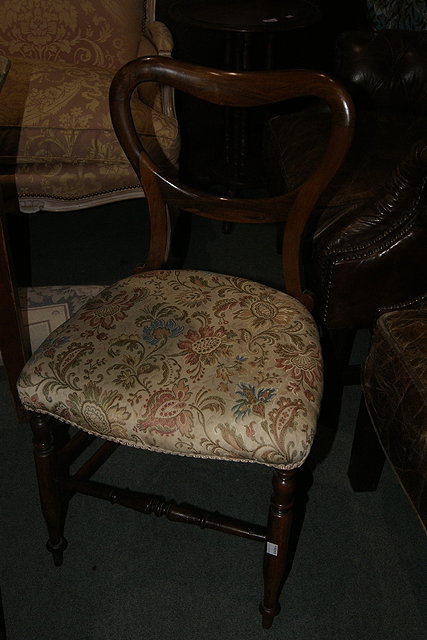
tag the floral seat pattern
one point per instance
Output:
(186, 362)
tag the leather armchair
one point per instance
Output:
(392, 419)
(56, 137)
(368, 246)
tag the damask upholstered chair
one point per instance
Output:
(56, 138)
(189, 362)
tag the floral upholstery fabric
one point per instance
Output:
(186, 362)
(54, 112)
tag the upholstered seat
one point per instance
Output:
(186, 362)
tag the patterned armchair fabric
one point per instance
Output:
(55, 124)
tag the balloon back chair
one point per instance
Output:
(189, 362)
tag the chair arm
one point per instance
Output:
(372, 256)
(405, 196)
(384, 69)
(157, 40)
(161, 37)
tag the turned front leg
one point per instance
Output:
(276, 551)
(44, 456)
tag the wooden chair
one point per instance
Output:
(192, 363)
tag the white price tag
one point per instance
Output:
(272, 549)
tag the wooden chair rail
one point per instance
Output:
(152, 504)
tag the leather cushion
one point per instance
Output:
(370, 219)
(395, 388)
(384, 70)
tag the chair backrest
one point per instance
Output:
(240, 90)
(104, 33)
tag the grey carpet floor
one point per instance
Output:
(359, 571)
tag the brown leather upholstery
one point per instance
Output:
(370, 256)
(370, 239)
(395, 391)
(385, 69)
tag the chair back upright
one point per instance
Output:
(248, 89)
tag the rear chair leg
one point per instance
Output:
(44, 456)
(276, 552)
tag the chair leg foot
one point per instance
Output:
(50, 499)
(276, 551)
(268, 615)
(57, 550)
